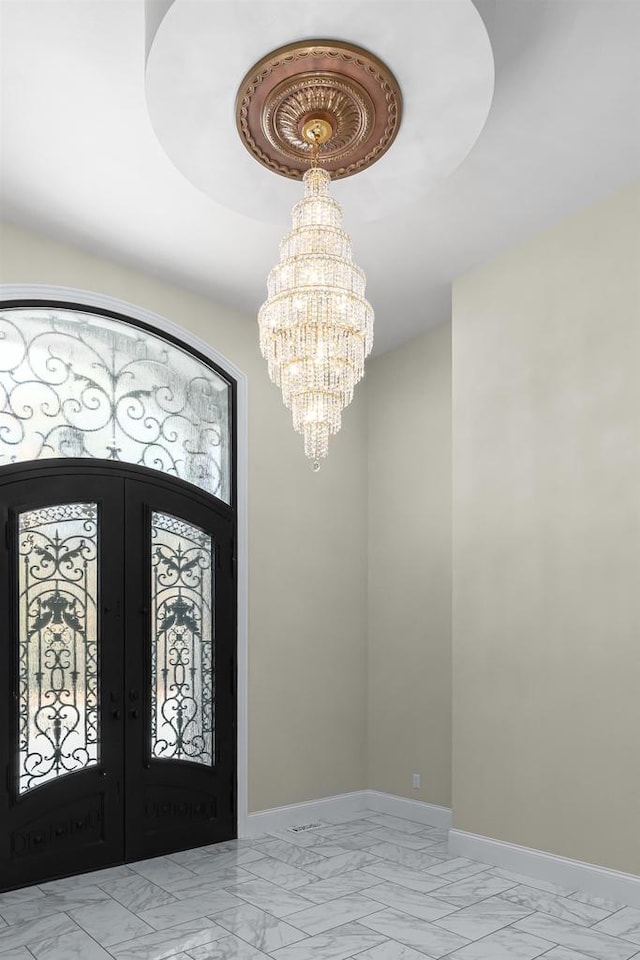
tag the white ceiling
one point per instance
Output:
(80, 160)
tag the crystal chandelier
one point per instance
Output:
(316, 328)
(336, 107)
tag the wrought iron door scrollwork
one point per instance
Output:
(75, 384)
(58, 642)
(182, 705)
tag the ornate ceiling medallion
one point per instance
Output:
(346, 90)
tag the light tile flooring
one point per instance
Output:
(373, 887)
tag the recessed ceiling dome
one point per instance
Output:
(192, 79)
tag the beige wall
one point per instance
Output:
(546, 565)
(307, 554)
(546, 414)
(409, 704)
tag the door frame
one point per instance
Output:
(76, 298)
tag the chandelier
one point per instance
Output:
(316, 111)
(316, 328)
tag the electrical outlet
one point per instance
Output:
(415, 781)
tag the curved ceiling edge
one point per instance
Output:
(440, 54)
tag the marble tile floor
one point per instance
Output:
(372, 887)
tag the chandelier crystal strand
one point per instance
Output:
(316, 327)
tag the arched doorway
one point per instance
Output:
(118, 592)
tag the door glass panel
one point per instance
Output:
(58, 642)
(76, 384)
(182, 679)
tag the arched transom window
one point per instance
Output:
(74, 383)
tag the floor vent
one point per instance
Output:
(305, 826)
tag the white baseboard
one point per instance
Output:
(345, 805)
(295, 814)
(572, 874)
(418, 810)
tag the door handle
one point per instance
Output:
(115, 714)
(115, 610)
(134, 714)
(133, 694)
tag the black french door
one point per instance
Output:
(117, 668)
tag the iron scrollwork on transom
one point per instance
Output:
(58, 642)
(76, 384)
(182, 671)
